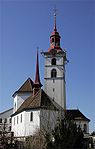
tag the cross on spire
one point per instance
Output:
(55, 13)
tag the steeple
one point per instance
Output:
(55, 60)
(37, 83)
(55, 21)
(37, 77)
(55, 38)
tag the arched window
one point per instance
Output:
(53, 73)
(52, 39)
(85, 128)
(53, 61)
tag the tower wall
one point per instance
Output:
(55, 68)
(55, 86)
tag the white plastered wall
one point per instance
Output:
(81, 124)
(26, 127)
(19, 99)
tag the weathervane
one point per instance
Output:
(55, 10)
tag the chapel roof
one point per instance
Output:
(75, 114)
(26, 87)
(39, 101)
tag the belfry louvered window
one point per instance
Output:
(53, 61)
(53, 73)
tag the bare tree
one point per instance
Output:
(5, 136)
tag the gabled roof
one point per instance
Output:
(40, 101)
(26, 87)
(75, 114)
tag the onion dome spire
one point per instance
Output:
(37, 83)
(55, 38)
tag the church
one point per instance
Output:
(36, 108)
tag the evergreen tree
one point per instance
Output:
(66, 136)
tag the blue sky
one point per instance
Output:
(26, 25)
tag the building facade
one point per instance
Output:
(34, 108)
(5, 120)
(38, 111)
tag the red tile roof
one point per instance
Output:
(40, 101)
(75, 114)
(26, 87)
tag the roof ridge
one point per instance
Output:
(25, 82)
(77, 113)
(56, 105)
(28, 88)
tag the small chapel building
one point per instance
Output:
(33, 110)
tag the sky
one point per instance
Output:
(28, 24)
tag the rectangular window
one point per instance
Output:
(10, 120)
(9, 128)
(0, 120)
(5, 120)
(85, 128)
(17, 119)
(21, 118)
(53, 89)
(53, 80)
(31, 116)
(14, 120)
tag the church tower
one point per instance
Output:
(55, 60)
